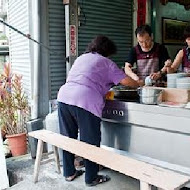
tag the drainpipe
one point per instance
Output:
(71, 28)
(36, 59)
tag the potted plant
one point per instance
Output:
(14, 110)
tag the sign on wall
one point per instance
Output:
(73, 42)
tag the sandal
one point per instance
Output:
(100, 179)
(77, 174)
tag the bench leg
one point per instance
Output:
(144, 186)
(55, 150)
(38, 159)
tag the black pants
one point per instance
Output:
(71, 120)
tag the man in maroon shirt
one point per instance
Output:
(148, 55)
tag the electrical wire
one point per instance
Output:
(29, 37)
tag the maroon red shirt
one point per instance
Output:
(185, 60)
(148, 62)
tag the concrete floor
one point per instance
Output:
(20, 169)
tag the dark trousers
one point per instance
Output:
(71, 120)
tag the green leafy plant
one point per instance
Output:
(14, 108)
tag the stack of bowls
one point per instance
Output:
(183, 83)
(172, 79)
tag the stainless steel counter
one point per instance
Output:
(149, 131)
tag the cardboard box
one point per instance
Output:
(175, 95)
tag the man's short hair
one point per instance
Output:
(143, 29)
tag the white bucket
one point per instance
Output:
(52, 124)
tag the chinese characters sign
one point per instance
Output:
(73, 42)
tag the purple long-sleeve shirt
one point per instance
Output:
(88, 81)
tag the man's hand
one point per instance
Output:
(155, 76)
(129, 72)
(134, 77)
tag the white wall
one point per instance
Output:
(173, 11)
(3, 169)
(19, 46)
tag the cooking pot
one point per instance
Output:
(150, 95)
(125, 93)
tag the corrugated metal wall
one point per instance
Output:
(111, 18)
(57, 43)
(19, 46)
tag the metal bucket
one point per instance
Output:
(149, 95)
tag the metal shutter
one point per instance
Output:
(57, 43)
(110, 18)
(19, 46)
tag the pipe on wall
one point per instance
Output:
(36, 58)
(71, 32)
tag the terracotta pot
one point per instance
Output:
(17, 144)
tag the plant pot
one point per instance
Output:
(17, 144)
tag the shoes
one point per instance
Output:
(77, 174)
(100, 179)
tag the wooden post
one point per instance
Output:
(38, 159)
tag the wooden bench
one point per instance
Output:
(147, 174)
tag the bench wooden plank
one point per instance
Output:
(147, 173)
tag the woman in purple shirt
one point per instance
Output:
(81, 101)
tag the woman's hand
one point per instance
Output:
(168, 67)
(168, 63)
(140, 82)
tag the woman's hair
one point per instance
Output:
(187, 32)
(143, 29)
(102, 45)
